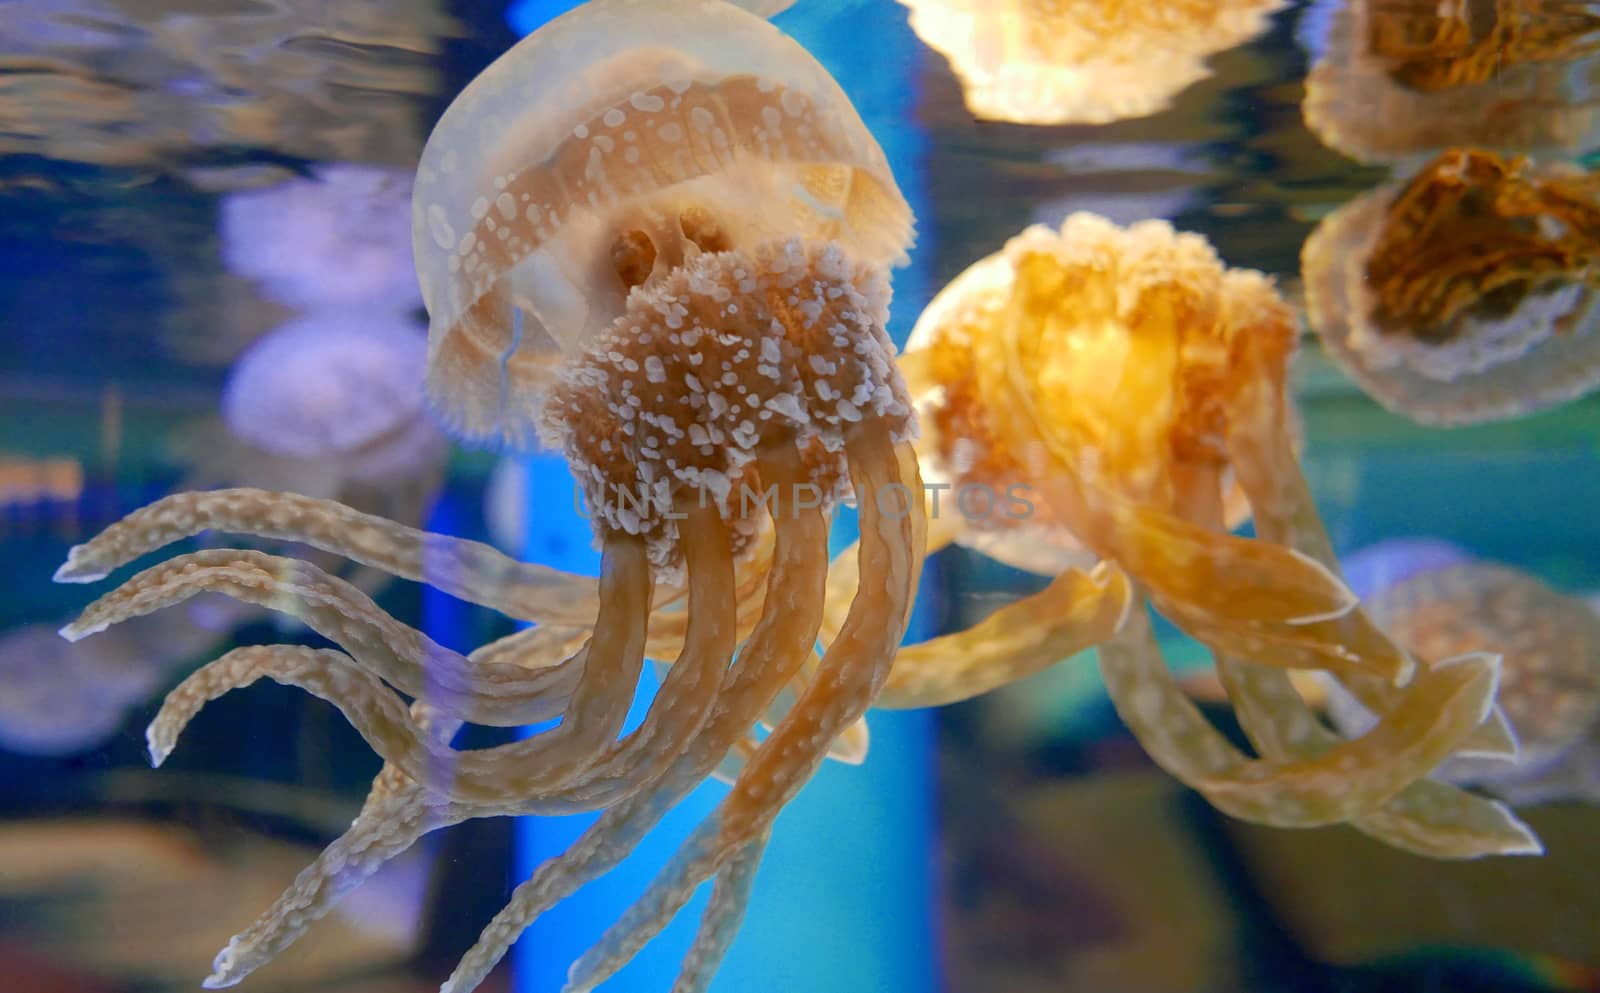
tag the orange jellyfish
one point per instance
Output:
(1082, 61)
(1466, 293)
(1400, 80)
(655, 237)
(1550, 680)
(1090, 396)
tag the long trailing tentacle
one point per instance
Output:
(782, 640)
(400, 809)
(482, 691)
(1076, 611)
(469, 570)
(852, 673)
(1263, 456)
(1427, 817)
(684, 700)
(1443, 706)
(369, 705)
(547, 773)
(850, 747)
(719, 925)
(396, 813)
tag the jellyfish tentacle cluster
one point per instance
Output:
(655, 238)
(1139, 391)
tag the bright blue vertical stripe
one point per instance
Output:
(843, 902)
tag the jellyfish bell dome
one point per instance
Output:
(1394, 83)
(1462, 294)
(339, 386)
(1081, 61)
(958, 445)
(600, 154)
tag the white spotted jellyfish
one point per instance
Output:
(653, 236)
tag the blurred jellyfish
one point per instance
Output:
(59, 698)
(1398, 80)
(1081, 61)
(1549, 681)
(1466, 294)
(328, 405)
(340, 237)
(1375, 568)
(338, 387)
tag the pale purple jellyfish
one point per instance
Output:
(58, 698)
(339, 389)
(338, 238)
(1375, 568)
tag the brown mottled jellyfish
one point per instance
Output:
(1399, 80)
(1550, 680)
(1081, 61)
(1465, 294)
(654, 235)
(1098, 390)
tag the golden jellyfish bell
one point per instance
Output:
(1399, 80)
(603, 152)
(1081, 61)
(958, 447)
(1465, 294)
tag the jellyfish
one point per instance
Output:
(1396, 81)
(1377, 567)
(335, 398)
(1465, 294)
(59, 699)
(1550, 681)
(329, 406)
(1084, 61)
(655, 237)
(338, 238)
(1101, 403)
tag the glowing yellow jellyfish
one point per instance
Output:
(1402, 79)
(1465, 294)
(1550, 683)
(1081, 61)
(1115, 379)
(656, 235)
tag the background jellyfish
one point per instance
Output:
(1124, 375)
(1377, 567)
(1086, 61)
(657, 238)
(337, 393)
(335, 239)
(1399, 80)
(329, 405)
(1464, 294)
(58, 698)
(1550, 684)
